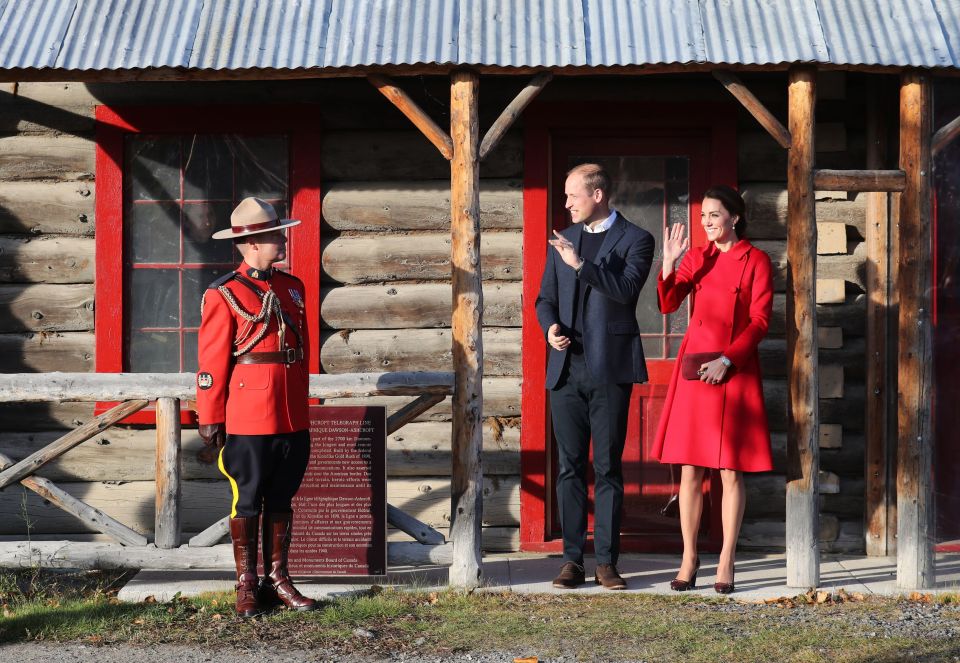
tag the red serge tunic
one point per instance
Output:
(253, 399)
(719, 426)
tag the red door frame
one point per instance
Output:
(300, 121)
(715, 123)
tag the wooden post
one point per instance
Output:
(915, 561)
(878, 533)
(466, 509)
(803, 451)
(167, 514)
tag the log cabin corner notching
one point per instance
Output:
(466, 69)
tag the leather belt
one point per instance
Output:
(288, 356)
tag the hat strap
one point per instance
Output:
(255, 226)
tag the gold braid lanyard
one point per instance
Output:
(270, 305)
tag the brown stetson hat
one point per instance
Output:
(253, 216)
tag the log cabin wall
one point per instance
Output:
(386, 287)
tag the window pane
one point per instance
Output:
(154, 168)
(155, 352)
(195, 282)
(179, 191)
(200, 221)
(207, 168)
(261, 167)
(652, 347)
(154, 298)
(190, 363)
(154, 233)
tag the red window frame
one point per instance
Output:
(300, 122)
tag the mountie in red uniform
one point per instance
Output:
(252, 388)
(245, 314)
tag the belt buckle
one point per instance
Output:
(291, 355)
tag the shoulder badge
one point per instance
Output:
(204, 380)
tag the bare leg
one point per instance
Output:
(691, 506)
(733, 503)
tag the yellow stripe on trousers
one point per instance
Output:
(233, 484)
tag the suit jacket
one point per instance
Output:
(609, 286)
(252, 399)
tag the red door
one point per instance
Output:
(659, 174)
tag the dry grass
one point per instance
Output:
(83, 607)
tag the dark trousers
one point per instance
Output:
(582, 408)
(265, 471)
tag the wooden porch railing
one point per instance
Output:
(135, 391)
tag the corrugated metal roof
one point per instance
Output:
(762, 32)
(292, 34)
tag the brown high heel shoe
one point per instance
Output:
(723, 587)
(679, 585)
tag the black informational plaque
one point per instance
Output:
(340, 511)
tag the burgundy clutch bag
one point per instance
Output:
(691, 362)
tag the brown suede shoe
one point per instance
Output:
(608, 576)
(571, 576)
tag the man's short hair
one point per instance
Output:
(594, 176)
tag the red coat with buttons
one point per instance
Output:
(725, 425)
(253, 399)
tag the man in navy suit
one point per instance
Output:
(587, 309)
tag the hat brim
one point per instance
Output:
(229, 234)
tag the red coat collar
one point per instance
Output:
(737, 252)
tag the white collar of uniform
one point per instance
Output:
(604, 225)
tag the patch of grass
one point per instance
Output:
(606, 627)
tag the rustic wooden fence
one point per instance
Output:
(134, 391)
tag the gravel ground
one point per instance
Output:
(910, 619)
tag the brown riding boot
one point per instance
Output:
(277, 586)
(244, 533)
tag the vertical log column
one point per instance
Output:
(803, 451)
(466, 508)
(167, 514)
(880, 521)
(915, 562)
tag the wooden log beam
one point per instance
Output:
(418, 530)
(212, 535)
(91, 516)
(513, 110)
(166, 532)
(102, 555)
(35, 461)
(414, 113)
(416, 205)
(466, 323)
(411, 411)
(879, 530)
(859, 180)
(945, 136)
(803, 549)
(915, 533)
(754, 106)
(374, 257)
(59, 387)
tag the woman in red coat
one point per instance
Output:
(714, 416)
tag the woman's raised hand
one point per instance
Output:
(674, 244)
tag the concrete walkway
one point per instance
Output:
(759, 577)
